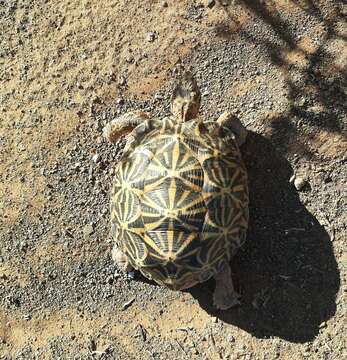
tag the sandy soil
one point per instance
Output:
(66, 69)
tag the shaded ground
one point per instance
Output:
(65, 70)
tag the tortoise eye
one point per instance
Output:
(223, 132)
(202, 128)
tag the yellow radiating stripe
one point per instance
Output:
(238, 188)
(232, 163)
(191, 168)
(159, 257)
(175, 155)
(120, 202)
(156, 163)
(186, 242)
(153, 186)
(153, 245)
(230, 214)
(236, 200)
(146, 152)
(208, 221)
(185, 159)
(160, 196)
(163, 148)
(232, 230)
(192, 203)
(206, 196)
(192, 176)
(178, 175)
(194, 211)
(136, 192)
(191, 185)
(186, 225)
(215, 174)
(151, 226)
(126, 171)
(171, 227)
(152, 204)
(235, 175)
(145, 253)
(236, 218)
(138, 231)
(183, 197)
(150, 214)
(172, 194)
(223, 214)
(166, 158)
(160, 170)
(170, 240)
(191, 253)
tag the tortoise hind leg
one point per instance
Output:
(225, 296)
(121, 260)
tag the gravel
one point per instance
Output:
(61, 296)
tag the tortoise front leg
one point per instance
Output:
(225, 296)
(134, 125)
(123, 125)
(232, 122)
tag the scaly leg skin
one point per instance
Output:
(121, 260)
(232, 122)
(123, 125)
(225, 296)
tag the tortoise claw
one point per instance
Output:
(225, 300)
(121, 260)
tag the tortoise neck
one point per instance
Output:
(184, 111)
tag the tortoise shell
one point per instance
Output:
(179, 204)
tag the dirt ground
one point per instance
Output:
(69, 67)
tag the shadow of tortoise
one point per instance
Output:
(287, 267)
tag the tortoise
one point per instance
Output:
(179, 202)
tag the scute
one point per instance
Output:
(180, 204)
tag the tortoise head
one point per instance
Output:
(185, 99)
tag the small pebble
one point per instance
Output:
(122, 81)
(88, 230)
(128, 303)
(120, 101)
(96, 157)
(211, 4)
(131, 275)
(150, 36)
(300, 183)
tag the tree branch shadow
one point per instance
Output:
(316, 81)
